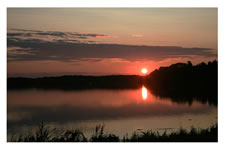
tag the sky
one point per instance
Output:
(102, 41)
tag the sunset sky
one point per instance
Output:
(97, 41)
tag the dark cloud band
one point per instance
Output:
(70, 50)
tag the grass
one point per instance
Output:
(203, 135)
(46, 134)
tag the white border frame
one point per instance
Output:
(112, 3)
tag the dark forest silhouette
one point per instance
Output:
(181, 81)
(184, 82)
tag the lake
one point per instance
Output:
(122, 112)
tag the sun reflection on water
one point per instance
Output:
(144, 93)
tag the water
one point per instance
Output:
(121, 111)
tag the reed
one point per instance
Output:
(46, 134)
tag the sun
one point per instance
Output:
(144, 70)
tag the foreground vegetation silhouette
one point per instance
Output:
(46, 134)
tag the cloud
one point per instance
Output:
(15, 51)
(51, 35)
(137, 36)
(66, 48)
(25, 30)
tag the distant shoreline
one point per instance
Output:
(180, 81)
(70, 82)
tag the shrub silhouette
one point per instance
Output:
(99, 135)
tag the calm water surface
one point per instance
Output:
(121, 111)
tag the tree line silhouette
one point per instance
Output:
(77, 82)
(184, 82)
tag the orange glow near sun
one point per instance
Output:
(144, 70)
